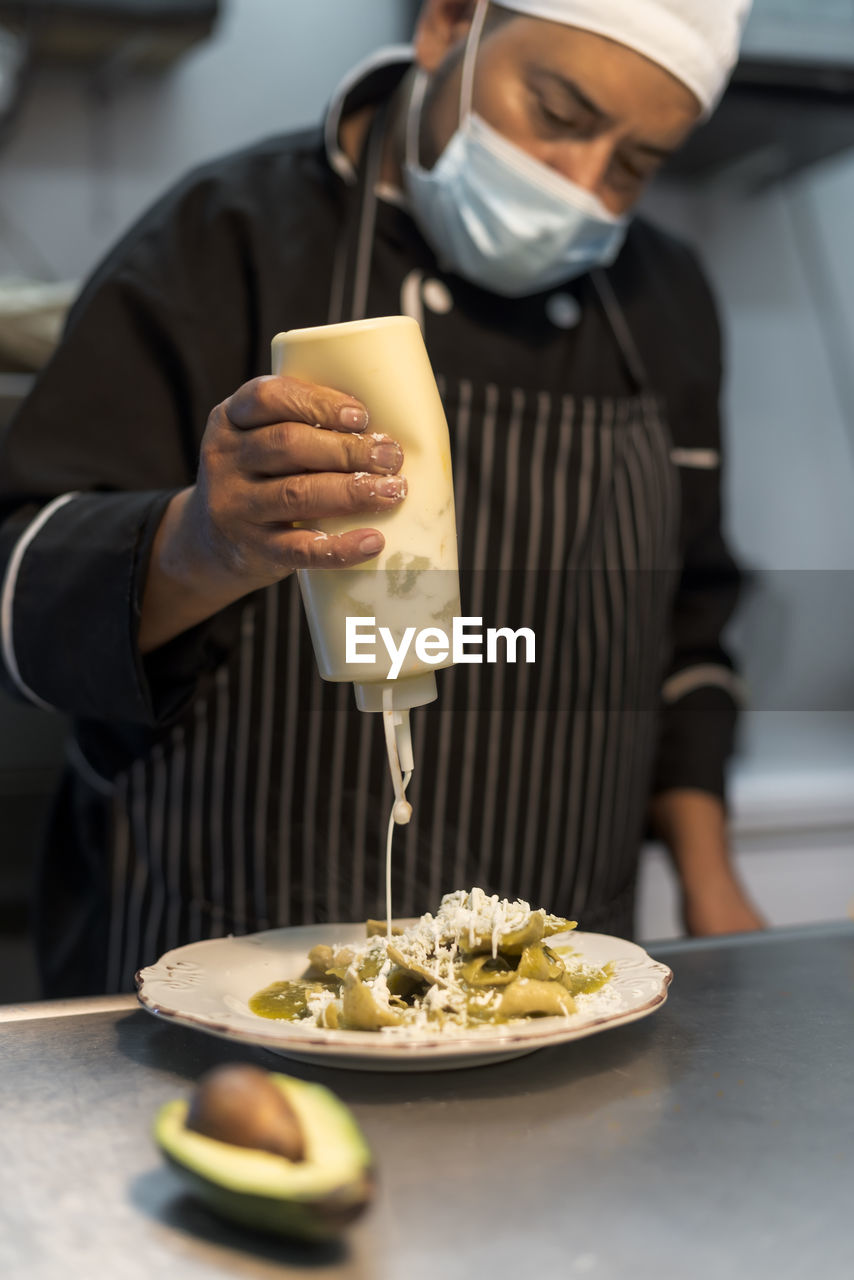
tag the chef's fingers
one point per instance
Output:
(311, 549)
(312, 497)
(288, 448)
(274, 399)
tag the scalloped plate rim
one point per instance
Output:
(362, 1049)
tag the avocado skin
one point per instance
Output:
(316, 1220)
(304, 1214)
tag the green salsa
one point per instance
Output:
(287, 1001)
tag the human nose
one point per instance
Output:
(585, 163)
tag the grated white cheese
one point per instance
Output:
(606, 1000)
(318, 1002)
(429, 949)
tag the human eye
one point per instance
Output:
(627, 173)
(559, 118)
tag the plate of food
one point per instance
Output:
(482, 980)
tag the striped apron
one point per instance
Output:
(267, 805)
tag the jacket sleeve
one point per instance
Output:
(109, 433)
(701, 690)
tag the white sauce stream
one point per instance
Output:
(401, 811)
(391, 826)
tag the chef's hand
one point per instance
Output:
(720, 908)
(277, 452)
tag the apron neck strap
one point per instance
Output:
(352, 273)
(616, 318)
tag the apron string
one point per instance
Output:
(354, 253)
(616, 317)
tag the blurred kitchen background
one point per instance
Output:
(104, 103)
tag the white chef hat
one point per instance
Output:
(697, 41)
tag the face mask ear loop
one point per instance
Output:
(413, 118)
(422, 79)
(470, 59)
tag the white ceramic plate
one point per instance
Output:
(207, 985)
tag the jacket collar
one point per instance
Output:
(371, 81)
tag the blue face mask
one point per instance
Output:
(497, 216)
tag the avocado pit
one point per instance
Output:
(241, 1105)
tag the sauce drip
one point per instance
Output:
(401, 811)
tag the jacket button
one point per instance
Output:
(563, 310)
(437, 296)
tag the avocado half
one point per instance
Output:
(314, 1198)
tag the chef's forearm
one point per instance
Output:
(185, 584)
(693, 826)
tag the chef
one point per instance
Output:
(484, 183)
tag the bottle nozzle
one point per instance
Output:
(403, 738)
(411, 691)
(398, 741)
(394, 698)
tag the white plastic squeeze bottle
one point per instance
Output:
(414, 582)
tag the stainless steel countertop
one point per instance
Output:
(712, 1139)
